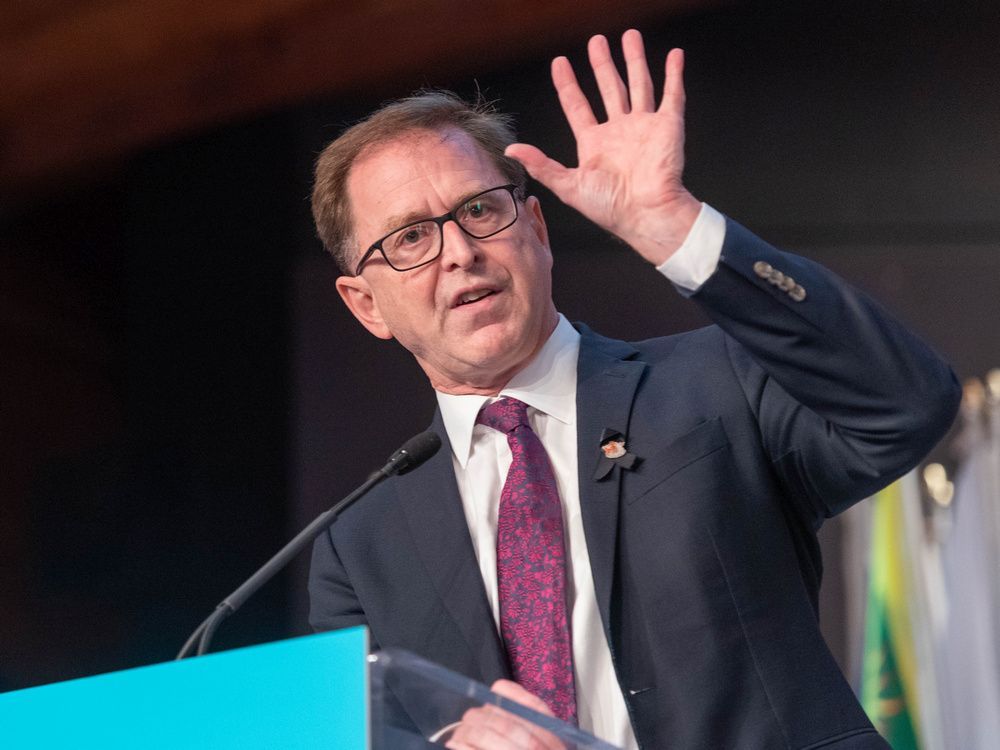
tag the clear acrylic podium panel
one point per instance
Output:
(413, 700)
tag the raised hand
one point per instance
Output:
(628, 178)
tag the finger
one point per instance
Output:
(640, 84)
(610, 84)
(482, 739)
(521, 732)
(574, 104)
(549, 172)
(673, 86)
(492, 728)
(515, 692)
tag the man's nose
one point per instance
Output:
(460, 250)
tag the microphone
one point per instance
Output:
(412, 454)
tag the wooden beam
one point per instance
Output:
(92, 80)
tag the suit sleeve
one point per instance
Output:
(847, 399)
(333, 603)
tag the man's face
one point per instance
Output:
(463, 346)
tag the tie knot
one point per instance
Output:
(504, 415)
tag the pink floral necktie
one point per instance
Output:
(531, 564)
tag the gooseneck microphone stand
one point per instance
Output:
(414, 452)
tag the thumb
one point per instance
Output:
(549, 172)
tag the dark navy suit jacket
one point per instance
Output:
(704, 555)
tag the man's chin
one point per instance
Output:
(487, 367)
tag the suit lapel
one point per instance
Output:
(433, 510)
(605, 389)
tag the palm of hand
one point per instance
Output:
(628, 167)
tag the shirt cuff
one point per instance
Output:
(696, 260)
(443, 734)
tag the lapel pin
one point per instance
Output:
(614, 448)
(615, 452)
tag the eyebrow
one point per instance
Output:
(398, 221)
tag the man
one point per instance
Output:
(680, 574)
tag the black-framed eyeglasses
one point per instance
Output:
(421, 242)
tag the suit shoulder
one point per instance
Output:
(709, 340)
(658, 347)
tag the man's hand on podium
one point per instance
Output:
(492, 728)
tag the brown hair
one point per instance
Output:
(425, 110)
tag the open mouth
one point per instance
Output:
(474, 296)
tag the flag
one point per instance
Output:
(898, 675)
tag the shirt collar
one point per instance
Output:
(547, 383)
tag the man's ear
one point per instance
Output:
(360, 300)
(533, 209)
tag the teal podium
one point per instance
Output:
(320, 691)
(302, 693)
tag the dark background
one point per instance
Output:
(181, 390)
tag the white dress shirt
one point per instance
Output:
(481, 459)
